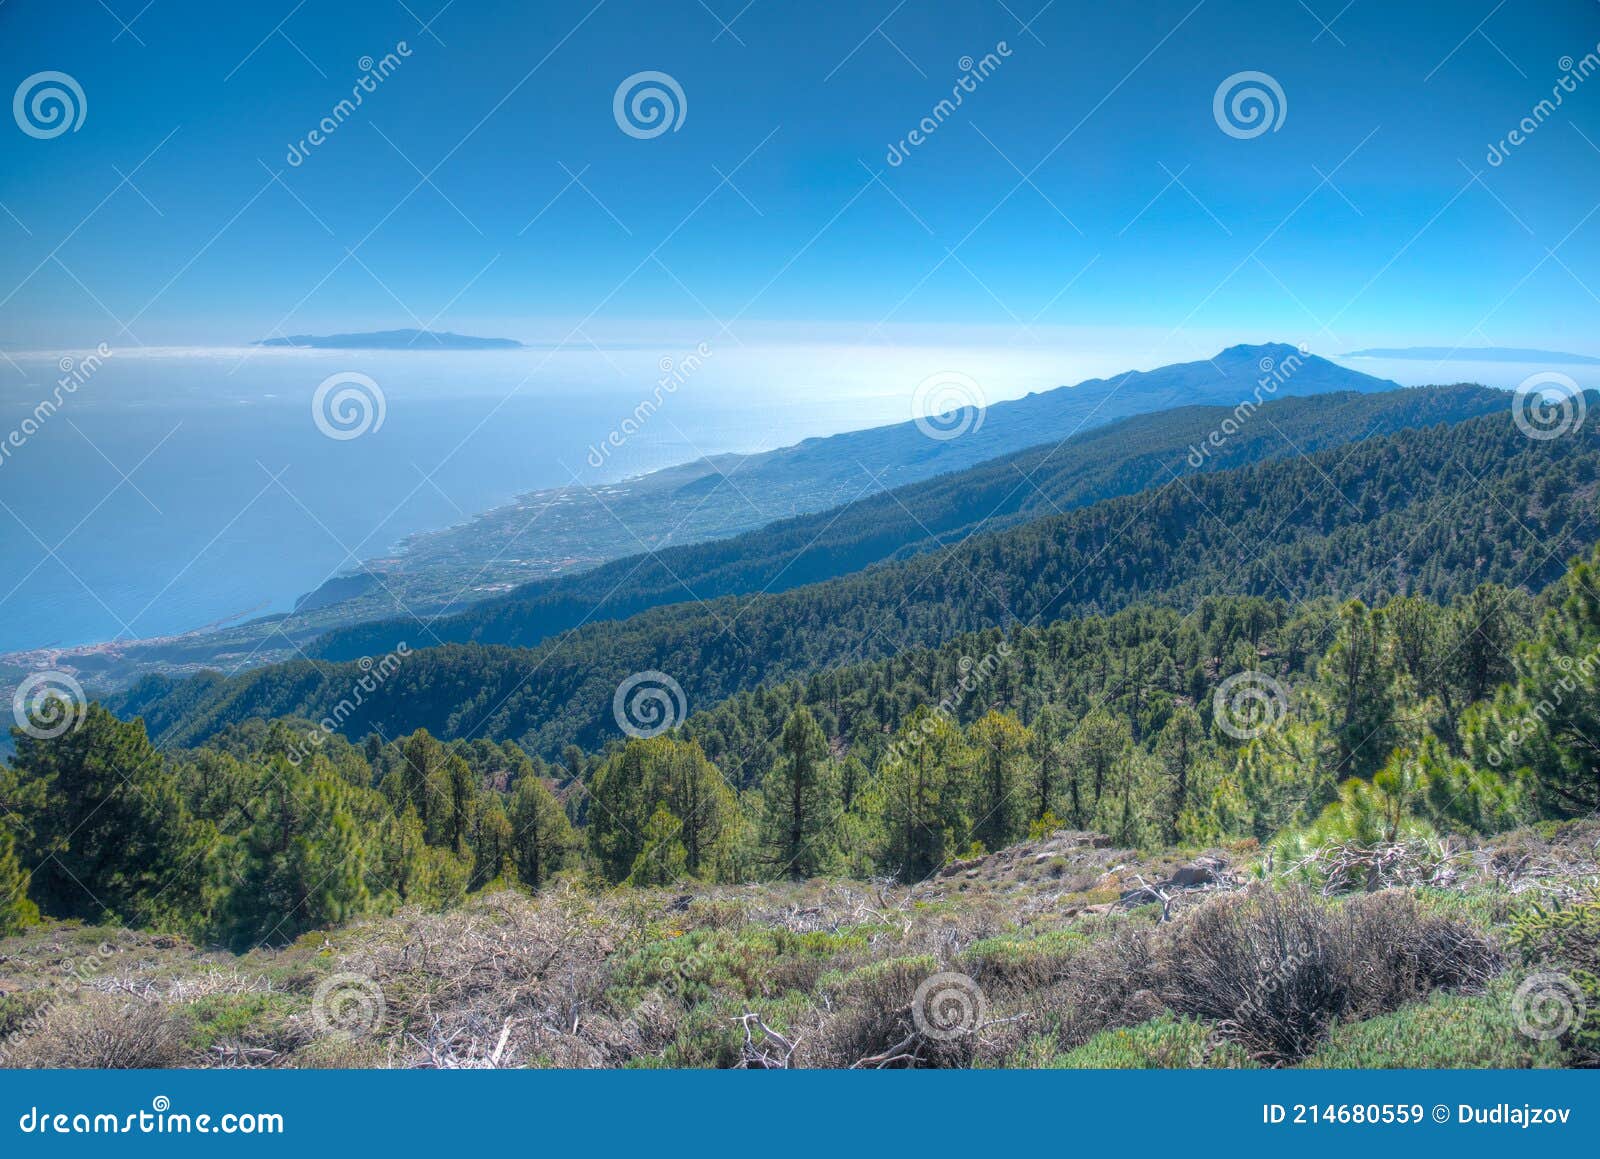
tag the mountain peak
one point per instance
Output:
(1273, 350)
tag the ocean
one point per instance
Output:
(157, 492)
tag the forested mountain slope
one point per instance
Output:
(1117, 459)
(544, 546)
(1433, 512)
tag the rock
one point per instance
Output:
(1191, 876)
(1091, 840)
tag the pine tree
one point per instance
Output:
(490, 842)
(425, 784)
(1547, 722)
(17, 910)
(1457, 797)
(1482, 630)
(1098, 742)
(303, 864)
(999, 745)
(1124, 808)
(663, 772)
(1047, 753)
(923, 809)
(1359, 672)
(463, 799)
(541, 839)
(108, 834)
(694, 791)
(402, 854)
(1179, 747)
(662, 858)
(1286, 776)
(801, 802)
(623, 800)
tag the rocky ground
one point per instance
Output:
(1059, 952)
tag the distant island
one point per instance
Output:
(393, 340)
(1475, 354)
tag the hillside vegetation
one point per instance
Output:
(567, 531)
(1192, 796)
(1120, 458)
(1050, 954)
(1434, 512)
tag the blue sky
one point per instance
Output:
(1084, 186)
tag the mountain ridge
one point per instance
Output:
(407, 339)
(1421, 511)
(1103, 462)
(543, 536)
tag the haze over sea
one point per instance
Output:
(178, 488)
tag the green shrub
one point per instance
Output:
(1561, 934)
(1163, 1043)
(1487, 909)
(1448, 1030)
(1565, 940)
(1037, 1052)
(712, 1034)
(746, 962)
(249, 1019)
(17, 1009)
(1013, 963)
